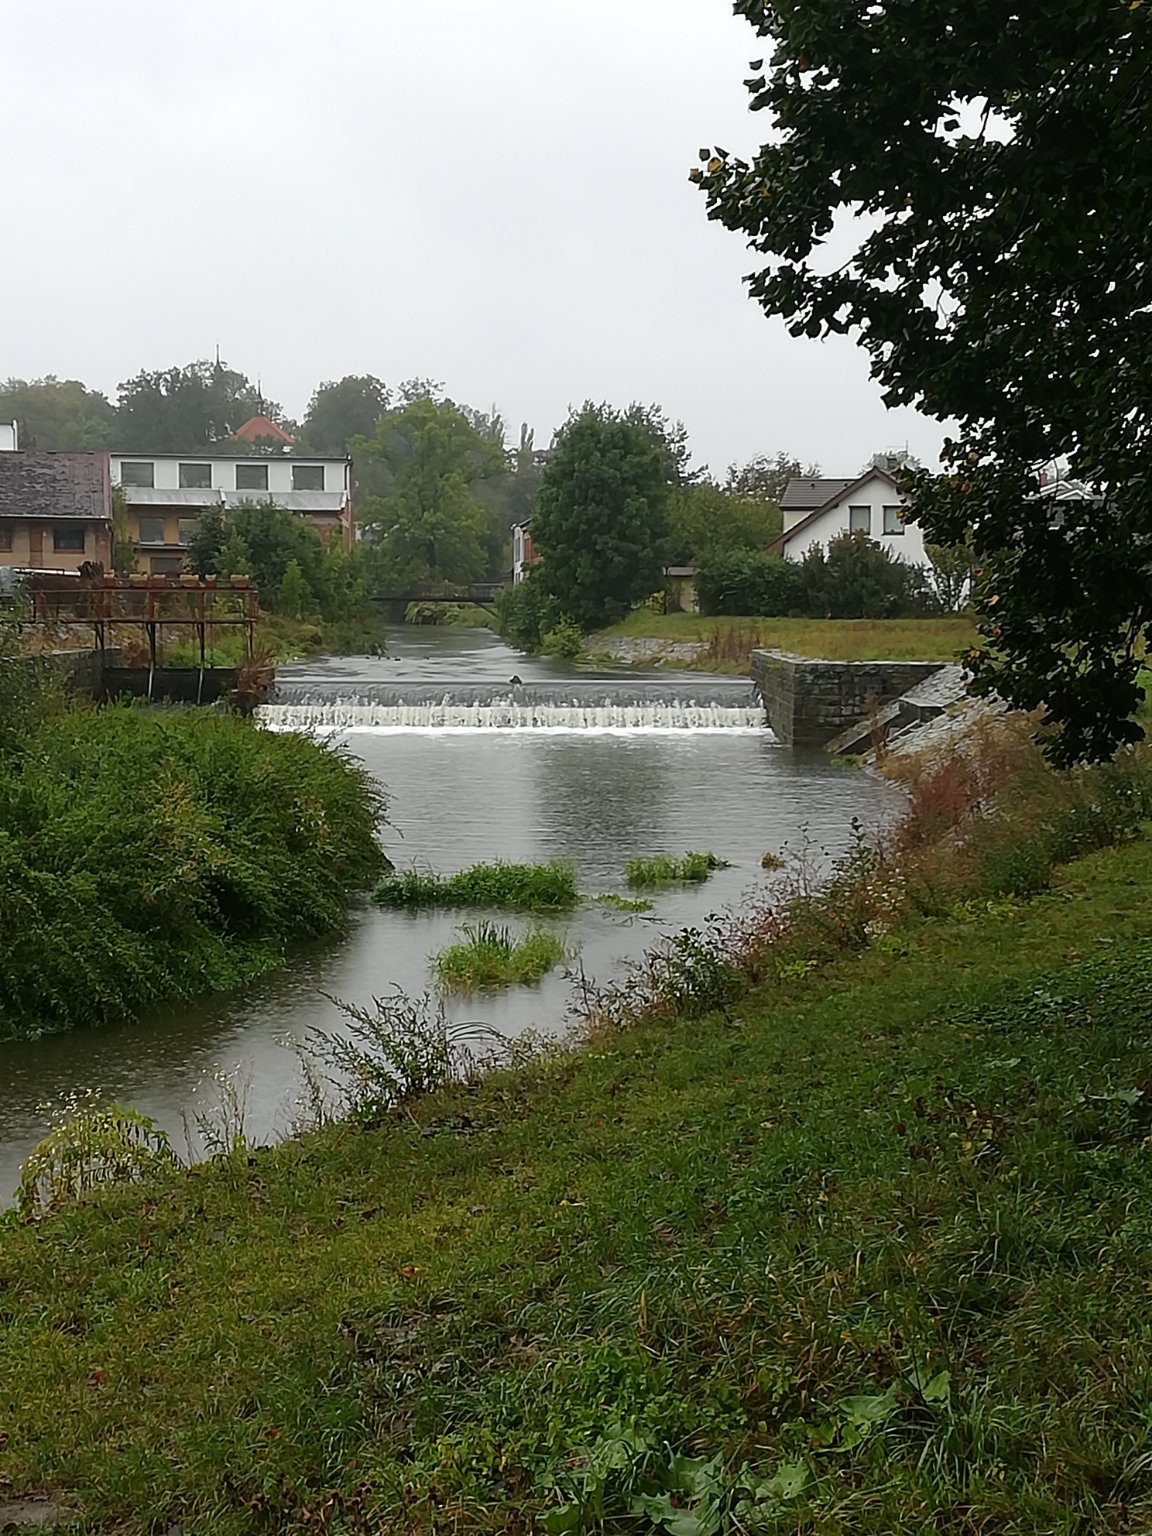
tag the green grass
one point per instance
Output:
(149, 856)
(490, 957)
(883, 1223)
(547, 887)
(730, 640)
(618, 903)
(643, 873)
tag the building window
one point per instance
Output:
(195, 477)
(167, 565)
(893, 519)
(151, 530)
(143, 476)
(860, 520)
(188, 527)
(307, 477)
(5, 536)
(71, 539)
(251, 477)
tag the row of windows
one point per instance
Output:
(250, 476)
(860, 520)
(63, 538)
(151, 530)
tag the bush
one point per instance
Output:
(856, 579)
(146, 857)
(748, 582)
(525, 613)
(489, 956)
(547, 887)
(563, 640)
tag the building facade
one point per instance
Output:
(55, 510)
(524, 556)
(166, 495)
(817, 511)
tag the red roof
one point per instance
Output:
(257, 427)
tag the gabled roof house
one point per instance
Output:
(817, 511)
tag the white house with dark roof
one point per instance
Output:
(817, 511)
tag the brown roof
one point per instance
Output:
(257, 427)
(55, 485)
(803, 495)
(841, 488)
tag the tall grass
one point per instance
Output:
(489, 957)
(146, 857)
(547, 887)
(645, 873)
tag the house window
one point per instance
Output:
(151, 530)
(188, 527)
(251, 477)
(140, 475)
(195, 477)
(893, 519)
(167, 565)
(65, 538)
(307, 477)
(860, 520)
(5, 536)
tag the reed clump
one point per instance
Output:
(645, 873)
(548, 887)
(489, 956)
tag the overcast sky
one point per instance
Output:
(494, 196)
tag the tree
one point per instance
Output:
(178, 410)
(57, 415)
(233, 558)
(123, 549)
(601, 524)
(431, 526)
(204, 546)
(671, 437)
(293, 595)
(856, 579)
(766, 477)
(706, 520)
(1002, 280)
(341, 410)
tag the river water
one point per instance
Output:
(590, 766)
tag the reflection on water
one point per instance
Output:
(457, 798)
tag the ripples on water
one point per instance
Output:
(459, 796)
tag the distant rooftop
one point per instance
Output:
(257, 427)
(54, 485)
(807, 495)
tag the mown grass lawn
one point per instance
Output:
(831, 639)
(886, 1226)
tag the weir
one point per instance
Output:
(712, 705)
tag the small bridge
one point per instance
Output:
(483, 595)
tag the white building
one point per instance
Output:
(9, 437)
(167, 493)
(816, 511)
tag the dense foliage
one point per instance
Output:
(855, 578)
(601, 524)
(749, 582)
(146, 857)
(1001, 280)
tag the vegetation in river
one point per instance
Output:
(619, 903)
(924, 1097)
(146, 857)
(658, 869)
(490, 956)
(548, 887)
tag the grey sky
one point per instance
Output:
(491, 195)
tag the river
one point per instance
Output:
(586, 765)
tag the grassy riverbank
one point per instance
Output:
(859, 1251)
(729, 641)
(148, 857)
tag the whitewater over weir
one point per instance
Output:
(707, 705)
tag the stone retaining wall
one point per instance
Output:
(810, 702)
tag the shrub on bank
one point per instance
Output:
(748, 582)
(147, 857)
